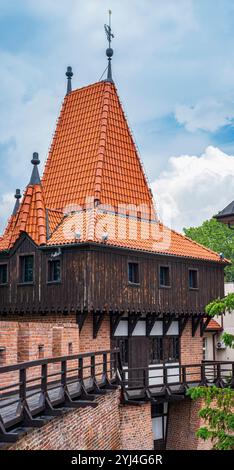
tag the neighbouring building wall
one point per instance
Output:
(109, 426)
(227, 322)
(136, 427)
(183, 422)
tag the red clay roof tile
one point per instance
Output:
(93, 155)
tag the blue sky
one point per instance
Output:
(174, 69)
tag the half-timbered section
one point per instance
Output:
(86, 266)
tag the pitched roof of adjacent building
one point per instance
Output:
(213, 325)
(93, 156)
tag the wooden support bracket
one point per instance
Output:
(195, 324)
(166, 324)
(98, 317)
(115, 318)
(81, 317)
(204, 324)
(133, 318)
(150, 321)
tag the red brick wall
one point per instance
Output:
(183, 422)
(22, 336)
(102, 342)
(136, 427)
(125, 427)
(81, 429)
(191, 348)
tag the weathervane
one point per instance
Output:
(109, 51)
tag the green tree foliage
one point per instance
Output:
(217, 414)
(219, 306)
(218, 237)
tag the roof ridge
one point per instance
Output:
(102, 142)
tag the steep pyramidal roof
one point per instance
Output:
(93, 153)
(93, 156)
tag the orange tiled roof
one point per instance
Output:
(30, 218)
(127, 232)
(213, 326)
(93, 153)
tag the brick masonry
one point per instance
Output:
(107, 427)
(183, 422)
(136, 427)
(191, 348)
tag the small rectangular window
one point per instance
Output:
(41, 351)
(26, 269)
(193, 279)
(156, 350)
(3, 274)
(164, 276)
(133, 273)
(54, 271)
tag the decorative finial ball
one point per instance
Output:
(17, 194)
(35, 159)
(69, 72)
(109, 52)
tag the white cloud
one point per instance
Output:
(194, 188)
(208, 115)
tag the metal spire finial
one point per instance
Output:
(35, 178)
(69, 75)
(109, 51)
(17, 203)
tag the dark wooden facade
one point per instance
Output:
(96, 277)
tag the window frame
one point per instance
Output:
(4, 284)
(130, 283)
(52, 281)
(22, 282)
(197, 278)
(163, 339)
(162, 286)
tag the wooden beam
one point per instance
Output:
(182, 324)
(150, 322)
(81, 317)
(98, 316)
(166, 324)
(204, 324)
(195, 324)
(115, 318)
(133, 318)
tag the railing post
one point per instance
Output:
(218, 381)
(164, 375)
(44, 378)
(104, 366)
(64, 373)
(92, 367)
(23, 385)
(203, 374)
(184, 375)
(80, 368)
